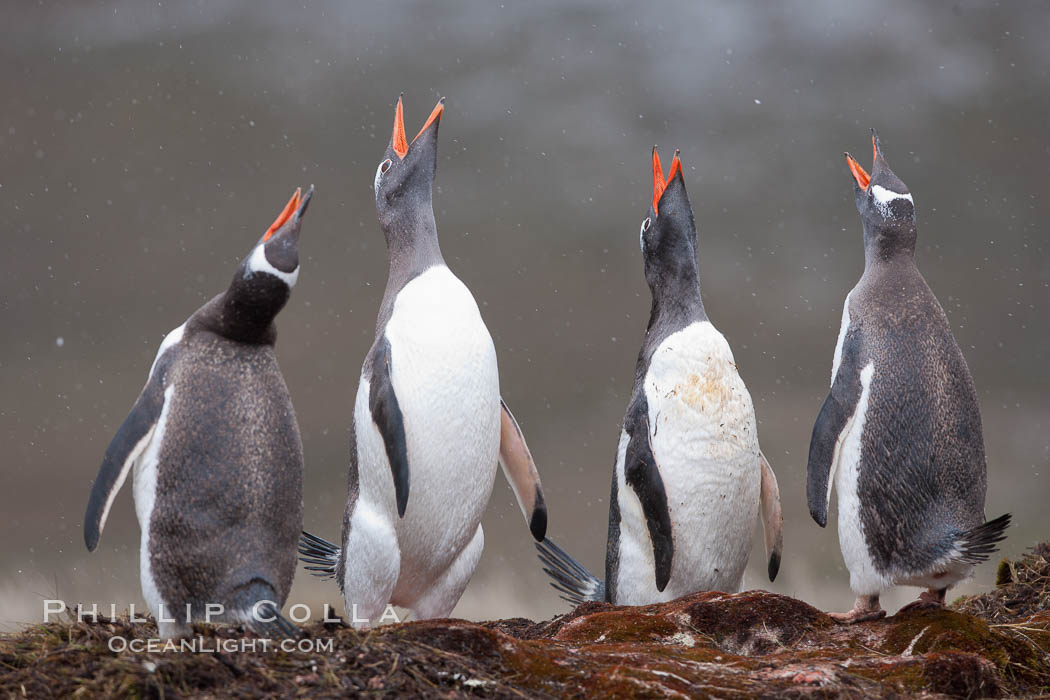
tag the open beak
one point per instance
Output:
(290, 208)
(660, 183)
(400, 144)
(399, 141)
(859, 174)
(676, 167)
(435, 116)
(304, 202)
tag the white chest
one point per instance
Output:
(441, 351)
(703, 436)
(443, 369)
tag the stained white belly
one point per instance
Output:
(704, 439)
(443, 367)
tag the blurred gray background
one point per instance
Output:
(144, 147)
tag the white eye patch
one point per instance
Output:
(258, 263)
(641, 234)
(883, 197)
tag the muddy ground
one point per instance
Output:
(707, 644)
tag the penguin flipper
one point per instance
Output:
(642, 474)
(124, 450)
(386, 413)
(838, 407)
(772, 517)
(520, 470)
(320, 555)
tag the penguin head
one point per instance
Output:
(404, 179)
(264, 280)
(886, 207)
(668, 234)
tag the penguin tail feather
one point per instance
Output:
(320, 556)
(978, 544)
(570, 578)
(267, 622)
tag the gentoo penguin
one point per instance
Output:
(218, 463)
(900, 431)
(690, 479)
(429, 424)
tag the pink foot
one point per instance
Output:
(866, 608)
(931, 599)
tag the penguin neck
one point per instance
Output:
(888, 241)
(412, 246)
(412, 243)
(246, 314)
(247, 323)
(676, 304)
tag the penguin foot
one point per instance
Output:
(930, 599)
(866, 608)
(854, 616)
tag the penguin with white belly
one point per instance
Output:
(899, 434)
(689, 480)
(217, 457)
(429, 424)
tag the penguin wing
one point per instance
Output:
(521, 472)
(838, 407)
(772, 517)
(125, 448)
(642, 473)
(386, 413)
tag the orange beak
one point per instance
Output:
(676, 167)
(659, 182)
(859, 174)
(439, 109)
(399, 140)
(285, 214)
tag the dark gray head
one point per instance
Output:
(264, 280)
(404, 180)
(669, 243)
(886, 207)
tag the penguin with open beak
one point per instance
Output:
(690, 480)
(429, 424)
(899, 434)
(215, 450)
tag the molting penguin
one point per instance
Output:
(217, 458)
(690, 479)
(899, 434)
(429, 424)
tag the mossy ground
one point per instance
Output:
(706, 644)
